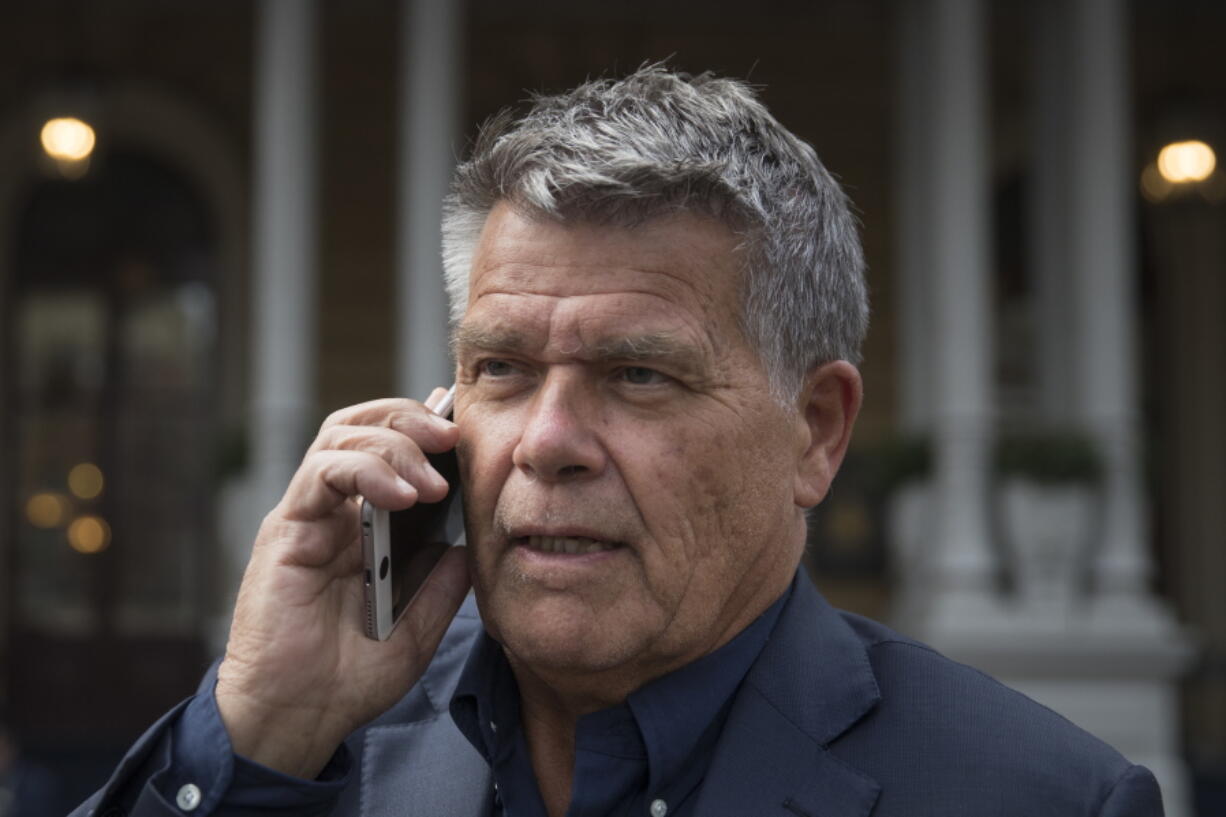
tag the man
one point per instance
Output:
(658, 300)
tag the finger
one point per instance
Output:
(413, 419)
(392, 412)
(327, 479)
(394, 448)
(383, 405)
(434, 606)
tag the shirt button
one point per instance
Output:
(493, 727)
(658, 808)
(188, 797)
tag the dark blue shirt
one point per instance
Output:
(654, 746)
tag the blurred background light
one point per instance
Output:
(1154, 185)
(1188, 161)
(85, 480)
(47, 510)
(89, 534)
(68, 139)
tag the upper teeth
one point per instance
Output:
(566, 544)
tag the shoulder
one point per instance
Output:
(948, 729)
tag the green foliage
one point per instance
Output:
(1048, 456)
(1052, 457)
(892, 463)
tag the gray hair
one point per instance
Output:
(626, 151)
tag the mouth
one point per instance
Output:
(569, 545)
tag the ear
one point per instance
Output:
(827, 407)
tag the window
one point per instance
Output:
(110, 381)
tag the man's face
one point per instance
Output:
(629, 480)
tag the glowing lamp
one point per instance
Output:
(1188, 161)
(85, 480)
(68, 139)
(89, 534)
(47, 510)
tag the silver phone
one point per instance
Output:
(400, 548)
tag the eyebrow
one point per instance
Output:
(643, 347)
(649, 346)
(467, 338)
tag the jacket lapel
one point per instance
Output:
(811, 684)
(423, 769)
(415, 762)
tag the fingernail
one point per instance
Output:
(436, 478)
(404, 486)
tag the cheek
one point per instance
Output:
(484, 452)
(716, 499)
(689, 495)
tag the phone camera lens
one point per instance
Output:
(383, 568)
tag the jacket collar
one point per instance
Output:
(811, 684)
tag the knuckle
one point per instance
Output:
(409, 416)
(314, 462)
(396, 420)
(326, 438)
(348, 441)
(376, 443)
(385, 452)
(335, 418)
(332, 470)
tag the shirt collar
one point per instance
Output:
(672, 713)
(675, 711)
(486, 696)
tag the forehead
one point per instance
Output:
(681, 260)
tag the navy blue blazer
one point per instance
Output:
(838, 717)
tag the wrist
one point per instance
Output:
(289, 740)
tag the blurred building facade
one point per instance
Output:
(252, 243)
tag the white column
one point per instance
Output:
(284, 269)
(1101, 241)
(1052, 173)
(1114, 669)
(962, 347)
(430, 86)
(913, 258)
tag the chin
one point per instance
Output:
(562, 635)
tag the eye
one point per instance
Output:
(496, 368)
(641, 375)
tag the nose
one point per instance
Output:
(558, 442)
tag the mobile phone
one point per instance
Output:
(400, 548)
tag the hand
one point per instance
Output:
(299, 674)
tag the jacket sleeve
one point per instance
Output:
(1135, 794)
(185, 765)
(150, 752)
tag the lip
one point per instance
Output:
(542, 557)
(567, 546)
(577, 532)
(543, 563)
